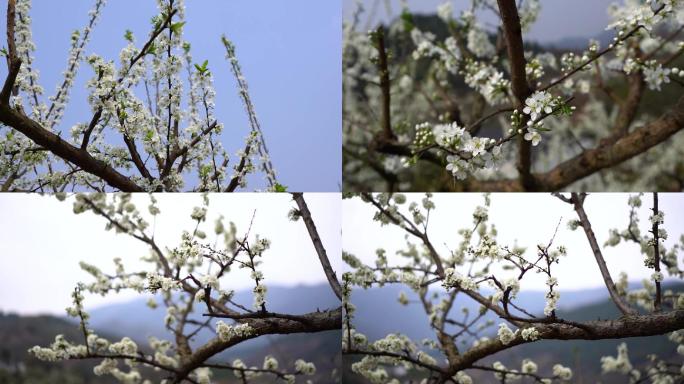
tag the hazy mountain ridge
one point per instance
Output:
(134, 318)
(412, 320)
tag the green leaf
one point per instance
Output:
(151, 50)
(203, 68)
(4, 52)
(128, 35)
(205, 170)
(176, 27)
(407, 18)
(280, 188)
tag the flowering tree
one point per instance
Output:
(478, 264)
(190, 281)
(149, 127)
(445, 104)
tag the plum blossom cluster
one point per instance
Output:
(537, 107)
(466, 154)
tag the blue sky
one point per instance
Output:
(289, 51)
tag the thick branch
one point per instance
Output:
(13, 62)
(135, 156)
(66, 151)
(316, 322)
(11, 44)
(594, 160)
(521, 90)
(633, 144)
(628, 326)
(383, 71)
(318, 244)
(630, 106)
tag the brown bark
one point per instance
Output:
(79, 157)
(628, 326)
(315, 322)
(521, 90)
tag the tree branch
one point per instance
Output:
(13, 62)
(578, 204)
(596, 159)
(628, 326)
(521, 89)
(316, 322)
(66, 151)
(383, 71)
(318, 244)
(656, 252)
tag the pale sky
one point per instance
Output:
(43, 242)
(558, 19)
(531, 219)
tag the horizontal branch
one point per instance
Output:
(317, 322)
(79, 157)
(596, 159)
(627, 326)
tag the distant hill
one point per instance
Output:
(583, 356)
(581, 43)
(135, 319)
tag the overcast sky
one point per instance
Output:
(289, 52)
(530, 219)
(559, 18)
(43, 242)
